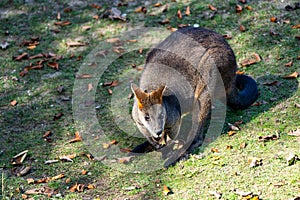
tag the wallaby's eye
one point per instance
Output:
(147, 117)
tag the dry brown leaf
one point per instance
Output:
(272, 83)
(84, 76)
(279, 184)
(76, 139)
(294, 132)
(248, 62)
(76, 44)
(179, 15)
(90, 186)
(119, 50)
(231, 133)
(239, 72)
(182, 25)
(13, 102)
(53, 65)
(86, 28)
(214, 150)
(96, 17)
(125, 150)
(90, 87)
(43, 190)
(31, 47)
(113, 40)
(243, 145)
(140, 9)
(24, 170)
(165, 21)
(21, 57)
(268, 138)
(289, 64)
(30, 180)
(57, 116)
(157, 5)
(238, 9)
(211, 7)
(273, 19)
(19, 158)
(125, 160)
(254, 162)
(84, 172)
(68, 180)
(227, 36)
(296, 26)
(62, 23)
(77, 188)
(291, 76)
(188, 11)
(47, 134)
(242, 28)
(59, 176)
(97, 6)
(68, 10)
(248, 7)
(132, 41)
(166, 190)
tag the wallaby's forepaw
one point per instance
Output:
(145, 147)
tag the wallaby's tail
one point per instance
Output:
(245, 93)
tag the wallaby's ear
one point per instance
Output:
(157, 94)
(140, 95)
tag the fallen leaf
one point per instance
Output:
(271, 83)
(291, 76)
(110, 91)
(105, 145)
(59, 176)
(132, 41)
(179, 15)
(291, 159)
(297, 105)
(273, 19)
(296, 26)
(19, 158)
(165, 21)
(51, 161)
(238, 9)
(96, 17)
(90, 87)
(84, 76)
(40, 55)
(68, 180)
(47, 134)
(43, 190)
(57, 116)
(242, 28)
(125, 160)
(279, 184)
(157, 5)
(31, 47)
(252, 61)
(90, 186)
(125, 150)
(172, 29)
(119, 50)
(289, 64)
(62, 23)
(239, 72)
(58, 16)
(214, 150)
(86, 28)
(216, 194)
(97, 6)
(113, 40)
(76, 44)
(77, 188)
(227, 36)
(188, 11)
(231, 133)
(84, 172)
(182, 25)
(211, 7)
(76, 139)
(141, 9)
(243, 1)
(243, 145)
(254, 162)
(68, 10)
(24, 170)
(268, 138)
(228, 147)
(166, 190)
(30, 180)
(294, 132)
(53, 65)
(13, 102)
(23, 56)
(248, 7)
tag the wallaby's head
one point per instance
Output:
(151, 112)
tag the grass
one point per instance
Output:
(22, 126)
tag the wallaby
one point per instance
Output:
(180, 75)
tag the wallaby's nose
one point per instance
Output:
(159, 132)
